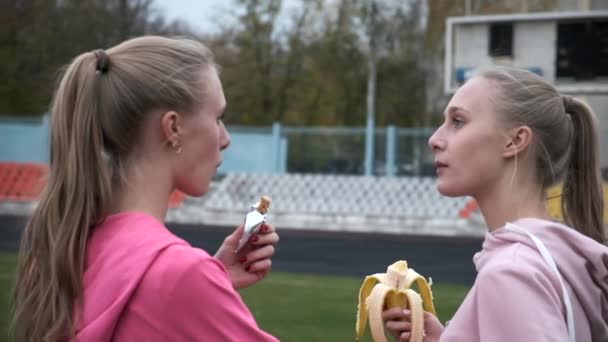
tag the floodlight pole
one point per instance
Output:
(371, 91)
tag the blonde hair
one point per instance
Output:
(565, 142)
(101, 101)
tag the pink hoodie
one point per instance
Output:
(142, 283)
(517, 297)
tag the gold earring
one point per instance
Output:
(177, 147)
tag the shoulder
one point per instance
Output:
(516, 271)
(514, 261)
(182, 275)
(186, 265)
(133, 229)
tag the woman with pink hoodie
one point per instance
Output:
(507, 136)
(130, 125)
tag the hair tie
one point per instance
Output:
(568, 101)
(103, 61)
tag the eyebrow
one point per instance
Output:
(454, 109)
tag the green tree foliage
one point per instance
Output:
(302, 65)
(43, 35)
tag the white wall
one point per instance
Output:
(534, 45)
(470, 47)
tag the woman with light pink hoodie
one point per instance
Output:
(507, 136)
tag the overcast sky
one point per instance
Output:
(206, 16)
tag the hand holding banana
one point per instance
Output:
(393, 290)
(398, 322)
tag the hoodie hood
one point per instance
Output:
(582, 262)
(119, 252)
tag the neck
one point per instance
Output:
(511, 198)
(143, 191)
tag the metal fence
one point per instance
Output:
(282, 149)
(332, 150)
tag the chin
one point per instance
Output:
(450, 190)
(200, 192)
(195, 191)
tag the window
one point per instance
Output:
(501, 40)
(582, 49)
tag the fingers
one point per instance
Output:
(265, 236)
(265, 239)
(405, 337)
(397, 322)
(265, 252)
(398, 326)
(260, 266)
(394, 314)
(267, 228)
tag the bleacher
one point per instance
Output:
(334, 203)
(336, 195)
(299, 201)
(22, 182)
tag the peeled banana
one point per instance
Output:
(393, 289)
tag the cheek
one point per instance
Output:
(203, 153)
(474, 165)
(207, 140)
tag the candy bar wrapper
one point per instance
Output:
(254, 220)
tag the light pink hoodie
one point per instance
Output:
(142, 283)
(517, 297)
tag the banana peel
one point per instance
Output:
(382, 291)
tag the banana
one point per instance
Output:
(393, 289)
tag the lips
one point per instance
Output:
(439, 164)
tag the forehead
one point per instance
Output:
(213, 87)
(475, 95)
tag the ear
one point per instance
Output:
(518, 139)
(170, 126)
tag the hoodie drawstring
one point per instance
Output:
(551, 262)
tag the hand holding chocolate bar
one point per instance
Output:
(247, 252)
(254, 220)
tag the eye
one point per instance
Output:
(457, 122)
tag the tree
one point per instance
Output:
(43, 35)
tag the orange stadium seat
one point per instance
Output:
(469, 208)
(22, 182)
(176, 198)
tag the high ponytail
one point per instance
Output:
(52, 253)
(565, 146)
(583, 202)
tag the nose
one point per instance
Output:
(224, 138)
(436, 141)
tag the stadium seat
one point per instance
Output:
(23, 182)
(334, 195)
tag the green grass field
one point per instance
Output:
(7, 269)
(293, 307)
